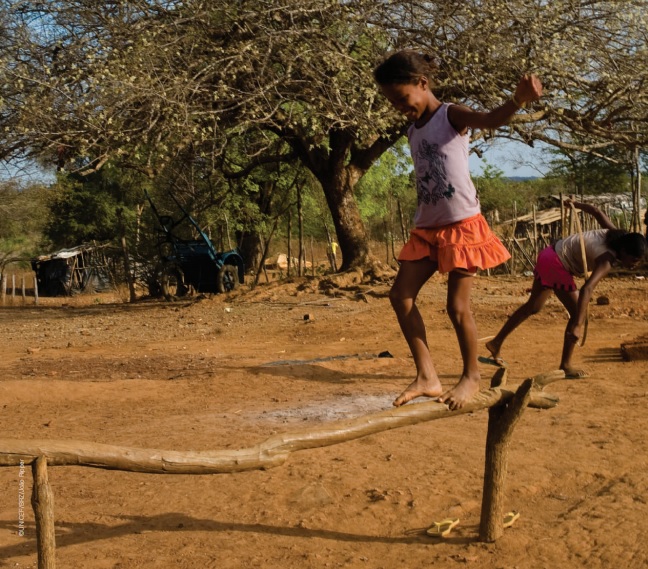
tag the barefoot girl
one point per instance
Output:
(555, 270)
(451, 235)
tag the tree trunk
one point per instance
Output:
(338, 171)
(636, 190)
(349, 228)
(265, 250)
(251, 249)
(128, 274)
(300, 227)
(288, 268)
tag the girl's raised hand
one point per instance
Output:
(529, 89)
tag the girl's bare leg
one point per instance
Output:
(539, 295)
(458, 305)
(570, 302)
(412, 275)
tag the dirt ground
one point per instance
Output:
(227, 372)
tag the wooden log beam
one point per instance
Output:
(270, 453)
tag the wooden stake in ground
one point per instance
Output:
(43, 504)
(501, 421)
(35, 289)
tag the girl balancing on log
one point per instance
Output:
(451, 235)
(555, 270)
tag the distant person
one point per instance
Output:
(451, 235)
(554, 273)
(333, 247)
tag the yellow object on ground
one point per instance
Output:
(510, 518)
(443, 528)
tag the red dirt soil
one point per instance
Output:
(195, 375)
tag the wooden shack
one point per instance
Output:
(69, 271)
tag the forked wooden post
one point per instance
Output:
(501, 421)
(43, 504)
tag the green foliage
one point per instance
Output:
(79, 214)
(502, 197)
(584, 173)
(98, 207)
(22, 211)
(388, 182)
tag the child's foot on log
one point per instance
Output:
(420, 388)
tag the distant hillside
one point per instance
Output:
(521, 178)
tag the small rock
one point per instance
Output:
(602, 300)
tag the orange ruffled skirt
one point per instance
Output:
(468, 244)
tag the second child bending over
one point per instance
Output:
(554, 273)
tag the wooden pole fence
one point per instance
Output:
(505, 408)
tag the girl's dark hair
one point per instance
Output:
(404, 67)
(633, 244)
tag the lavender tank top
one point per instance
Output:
(444, 189)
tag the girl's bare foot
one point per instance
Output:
(461, 393)
(494, 349)
(420, 388)
(574, 373)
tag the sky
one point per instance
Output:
(513, 158)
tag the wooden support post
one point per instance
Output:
(525, 257)
(22, 289)
(535, 232)
(3, 287)
(513, 269)
(563, 217)
(43, 504)
(35, 289)
(501, 421)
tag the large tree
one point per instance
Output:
(148, 81)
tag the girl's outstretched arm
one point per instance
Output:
(529, 89)
(604, 221)
(602, 266)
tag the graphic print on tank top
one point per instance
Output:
(432, 185)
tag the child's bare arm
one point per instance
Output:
(529, 89)
(604, 221)
(602, 267)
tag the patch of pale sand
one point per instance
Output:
(332, 409)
